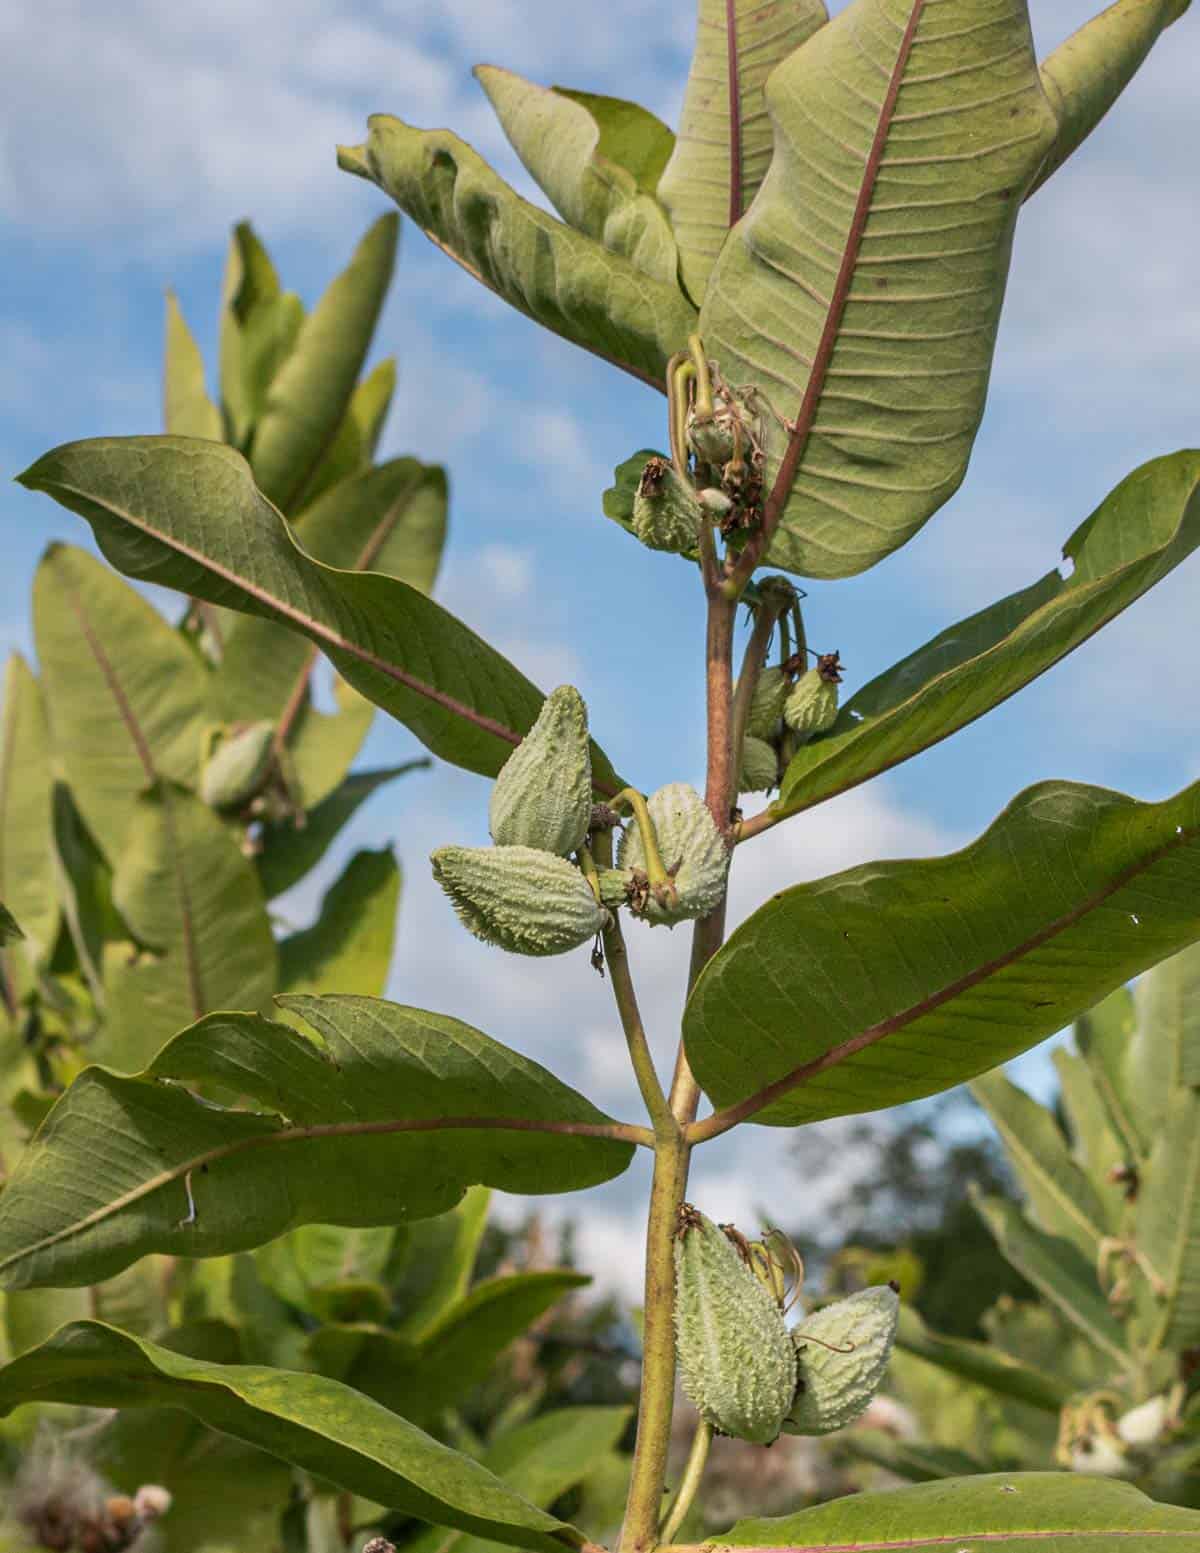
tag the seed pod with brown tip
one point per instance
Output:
(812, 705)
(524, 900)
(543, 795)
(842, 1352)
(692, 850)
(666, 510)
(760, 766)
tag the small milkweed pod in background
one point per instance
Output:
(692, 849)
(519, 898)
(238, 766)
(760, 766)
(666, 510)
(543, 795)
(737, 1362)
(842, 1352)
(767, 703)
(812, 705)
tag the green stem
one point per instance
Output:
(680, 372)
(702, 406)
(690, 1483)
(661, 883)
(665, 1125)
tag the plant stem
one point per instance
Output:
(665, 1125)
(719, 779)
(773, 605)
(690, 1482)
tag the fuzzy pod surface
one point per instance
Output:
(834, 1386)
(666, 510)
(767, 703)
(692, 850)
(519, 898)
(543, 795)
(737, 1362)
(760, 766)
(812, 704)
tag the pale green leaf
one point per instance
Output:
(269, 336)
(84, 890)
(349, 946)
(187, 409)
(860, 294)
(250, 282)
(432, 1261)
(895, 980)
(631, 136)
(911, 1460)
(558, 140)
(1103, 1035)
(1164, 1050)
(353, 447)
(316, 1424)
(322, 745)
(982, 1363)
(724, 145)
(562, 279)
(373, 1126)
(1168, 1223)
(10, 928)
(1139, 533)
(27, 882)
(1095, 1143)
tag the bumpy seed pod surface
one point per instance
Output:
(543, 795)
(666, 511)
(767, 703)
(760, 766)
(737, 1362)
(842, 1353)
(812, 704)
(519, 898)
(691, 849)
(238, 766)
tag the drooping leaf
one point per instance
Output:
(860, 294)
(1085, 75)
(562, 279)
(316, 1424)
(370, 1127)
(289, 852)
(250, 283)
(84, 890)
(1059, 1192)
(349, 946)
(187, 409)
(353, 447)
(1060, 1273)
(558, 140)
(723, 148)
(900, 979)
(125, 693)
(27, 885)
(1139, 533)
(311, 391)
(982, 1363)
(631, 136)
(431, 1263)
(195, 908)
(188, 513)
(1010, 1512)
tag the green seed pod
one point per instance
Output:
(524, 900)
(692, 850)
(843, 1351)
(666, 512)
(543, 795)
(766, 705)
(812, 705)
(760, 766)
(737, 1362)
(711, 437)
(238, 767)
(614, 885)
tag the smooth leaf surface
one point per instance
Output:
(311, 391)
(1102, 1035)
(353, 446)
(125, 693)
(84, 890)
(562, 279)
(187, 409)
(1085, 75)
(316, 1424)
(432, 1261)
(1168, 1223)
(630, 135)
(985, 1364)
(1044, 1512)
(195, 908)
(347, 1132)
(10, 928)
(723, 147)
(349, 946)
(895, 980)
(1139, 533)
(187, 514)
(250, 283)
(1094, 1143)
(911, 1460)
(861, 292)
(27, 885)
(558, 140)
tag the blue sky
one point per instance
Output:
(132, 136)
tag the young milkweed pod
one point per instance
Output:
(812, 705)
(666, 511)
(760, 766)
(692, 851)
(543, 795)
(238, 766)
(519, 898)
(615, 886)
(767, 703)
(737, 1362)
(842, 1353)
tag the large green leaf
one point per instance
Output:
(723, 148)
(900, 979)
(1087, 73)
(187, 409)
(372, 1126)
(432, 1261)
(1164, 1051)
(125, 693)
(1168, 1222)
(353, 447)
(861, 292)
(349, 946)
(311, 391)
(27, 885)
(558, 139)
(187, 513)
(250, 286)
(1140, 532)
(631, 136)
(1059, 1192)
(1095, 1144)
(1044, 1512)
(317, 1424)
(203, 939)
(982, 1363)
(84, 890)
(1103, 1034)
(562, 279)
